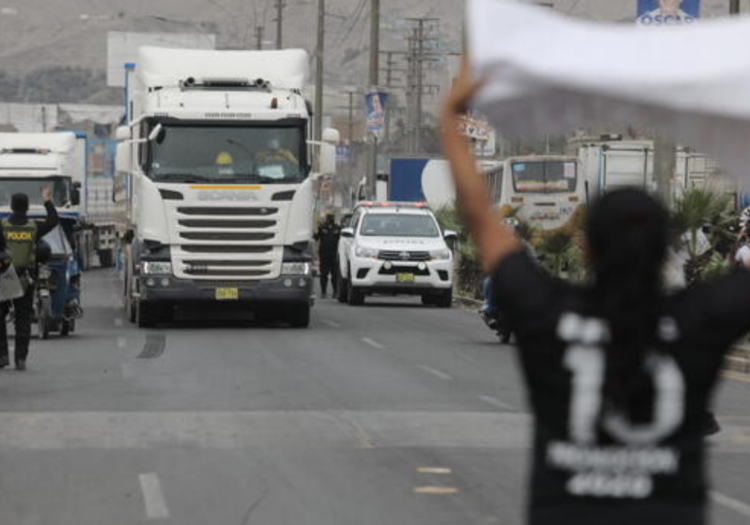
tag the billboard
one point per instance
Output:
(668, 12)
(375, 102)
(122, 48)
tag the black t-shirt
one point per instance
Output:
(594, 465)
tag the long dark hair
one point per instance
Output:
(628, 235)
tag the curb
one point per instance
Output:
(467, 302)
(738, 360)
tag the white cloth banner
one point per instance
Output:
(549, 74)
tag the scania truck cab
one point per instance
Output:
(215, 183)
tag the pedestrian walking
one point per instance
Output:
(328, 242)
(19, 237)
(619, 373)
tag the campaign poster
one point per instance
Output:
(376, 101)
(655, 13)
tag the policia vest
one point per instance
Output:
(20, 241)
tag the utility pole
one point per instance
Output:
(734, 7)
(417, 57)
(390, 84)
(319, 64)
(374, 79)
(259, 33)
(280, 5)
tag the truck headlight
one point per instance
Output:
(156, 268)
(366, 253)
(295, 268)
(441, 255)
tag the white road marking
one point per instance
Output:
(495, 402)
(122, 343)
(372, 343)
(332, 324)
(434, 470)
(118, 322)
(153, 497)
(127, 371)
(436, 491)
(731, 503)
(437, 373)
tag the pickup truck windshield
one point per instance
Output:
(227, 154)
(399, 225)
(33, 188)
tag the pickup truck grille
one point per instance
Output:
(227, 243)
(393, 255)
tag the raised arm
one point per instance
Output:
(46, 226)
(494, 240)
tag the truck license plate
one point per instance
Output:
(227, 294)
(404, 277)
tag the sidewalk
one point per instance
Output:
(738, 359)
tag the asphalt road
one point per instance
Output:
(388, 414)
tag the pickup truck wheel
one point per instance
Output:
(445, 299)
(299, 316)
(428, 300)
(145, 314)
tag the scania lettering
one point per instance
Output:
(214, 184)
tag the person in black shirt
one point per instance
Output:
(619, 374)
(328, 242)
(19, 236)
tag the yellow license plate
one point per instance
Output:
(227, 294)
(404, 277)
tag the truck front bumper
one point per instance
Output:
(169, 289)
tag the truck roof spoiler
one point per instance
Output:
(225, 83)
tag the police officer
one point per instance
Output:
(328, 242)
(20, 237)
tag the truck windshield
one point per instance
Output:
(399, 225)
(33, 188)
(545, 176)
(228, 154)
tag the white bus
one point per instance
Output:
(547, 190)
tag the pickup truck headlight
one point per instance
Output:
(156, 268)
(366, 253)
(441, 255)
(295, 268)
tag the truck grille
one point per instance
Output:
(393, 255)
(228, 243)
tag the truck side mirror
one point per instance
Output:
(327, 163)
(123, 133)
(450, 235)
(347, 232)
(122, 157)
(75, 194)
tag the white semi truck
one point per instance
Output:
(214, 184)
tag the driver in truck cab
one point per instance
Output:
(19, 237)
(275, 152)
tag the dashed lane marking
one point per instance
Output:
(437, 373)
(495, 402)
(332, 324)
(119, 322)
(435, 470)
(731, 503)
(153, 497)
(436, 491)
(372, 343)
(122, 343)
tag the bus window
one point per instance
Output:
(545, 177)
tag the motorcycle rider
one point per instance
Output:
(19, 236)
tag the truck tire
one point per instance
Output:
(43, 317)
(355, 296)
(106, 259)
(428, 299)
(145, 314)
(343, 287)
(299, 316)
(445, 299)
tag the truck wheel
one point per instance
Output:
(105, 258)
(428, 300)
(299, 316)
(343, 288)
(445, 299)
(356, 297)
(145, 314)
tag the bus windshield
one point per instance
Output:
(545, 176)
(228, 154)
